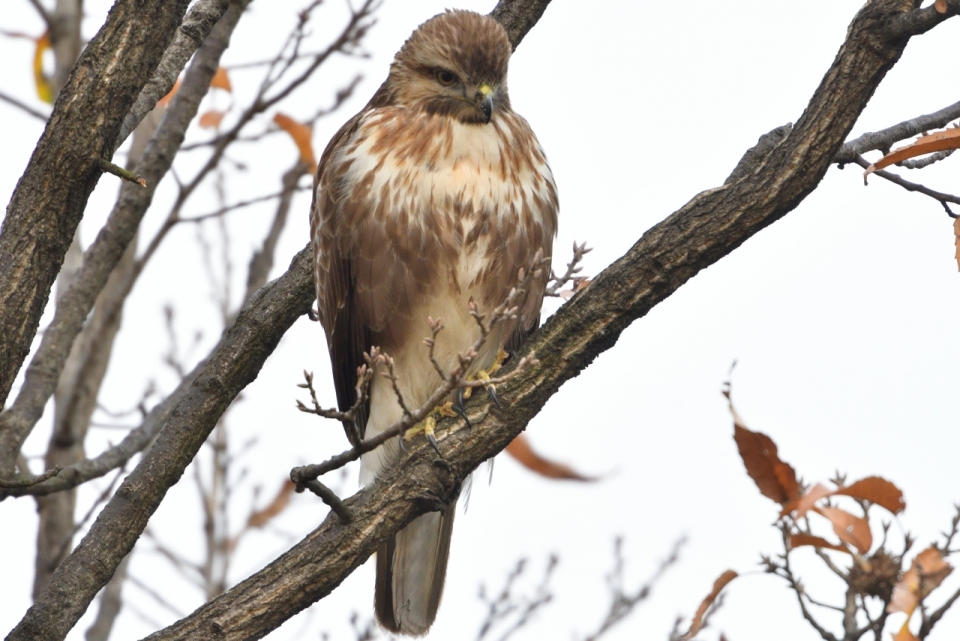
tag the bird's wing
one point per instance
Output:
(347, 336)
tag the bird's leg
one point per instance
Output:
(429, 424)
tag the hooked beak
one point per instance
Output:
(485, 100)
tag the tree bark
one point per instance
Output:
(49, 199)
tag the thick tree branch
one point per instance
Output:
(709, 227)
(49, 199)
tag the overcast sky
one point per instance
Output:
(842, 318)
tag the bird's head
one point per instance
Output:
(454, 64)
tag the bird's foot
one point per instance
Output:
(485, 375)
(428, 425)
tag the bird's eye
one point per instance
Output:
(445, 78)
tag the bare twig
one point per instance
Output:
(120, 172)
(940, 197)
(506, 605)
(556, 283)
(235, 206)
(29, 481)
(39, 115)
(623, 603)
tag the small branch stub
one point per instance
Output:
(120, 172)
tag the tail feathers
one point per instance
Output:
(411, 569)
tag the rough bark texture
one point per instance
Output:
(709, 227)
(518, 17)
(49, 200)
(47, 367)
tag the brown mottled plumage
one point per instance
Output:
(436, 193)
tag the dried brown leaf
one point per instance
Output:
(697, 623)
(904, 598)
(940, 141)
(221, 80)
(851, 529)
(876, 490)
(279, 503)
(933, 569)
(212, 119)
(776, 479)
(798, 540)
(302, 136)
(807, 501)
(521, 450)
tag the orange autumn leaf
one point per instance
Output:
(163, 102)
(211, 119)
(41, 79)
(221, 80)
(851, 529)
(925, 575)
(302, 136)
(876, 490)
(776, 479)
(697, 623)
(798, 540)
(940, 141)
(956, 233)
(521, 450)
(807, 501)
(279, 503)
(905, 634)
(933, 570)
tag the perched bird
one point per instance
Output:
(435, 194)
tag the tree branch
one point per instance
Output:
(884, 139)
(50, 197)
(190, 36)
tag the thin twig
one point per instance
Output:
(24, 107)
(30, 480)
(120, 172)
(573, 268)
(940, 197)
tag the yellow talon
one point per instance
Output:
(429, 425)
(485, 375)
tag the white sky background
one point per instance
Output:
(841, 316)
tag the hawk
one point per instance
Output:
(435, 194)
